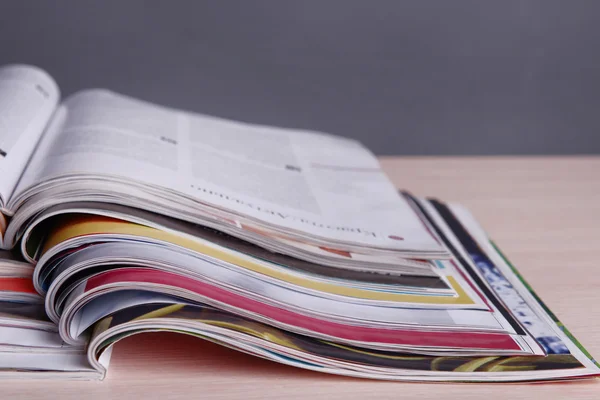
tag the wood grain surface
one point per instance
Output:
(543, 212)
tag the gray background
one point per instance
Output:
(405, 77)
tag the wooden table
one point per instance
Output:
(543, 212)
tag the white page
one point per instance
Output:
(28, 97)
(18, 336)
(53, 361)
(329, 187)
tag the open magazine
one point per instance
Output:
(123, 217)
(307, 193)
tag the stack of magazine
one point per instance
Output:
(121, 217)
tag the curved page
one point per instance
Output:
(28, 97)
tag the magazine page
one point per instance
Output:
(541, 321)
(310, 183)
(28, 97)
(29, 342)
(305, 352)
(38, 238)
